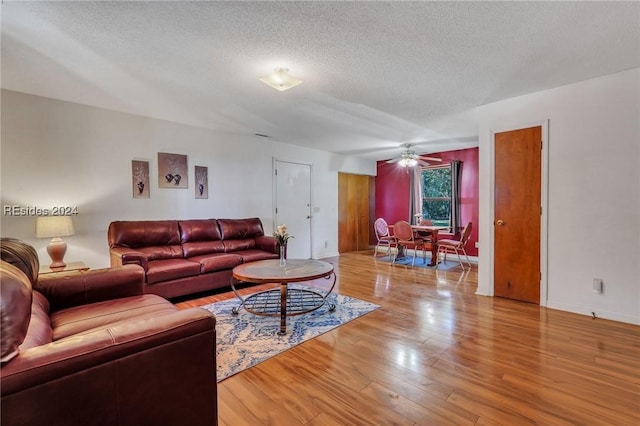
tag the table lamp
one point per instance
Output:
(55, 227)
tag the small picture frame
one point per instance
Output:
(202, 182)
(172, 171)
(140, 178)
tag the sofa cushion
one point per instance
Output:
(240, 244)
(200, 236)
(217, 261)
(202, 247)
(15, 309)
(198, 230)
(253, 255)
(143, 233)
(161, 252)
(170, 269)
(237, 229)
(88, 318)
(39, 332)
(20, 255)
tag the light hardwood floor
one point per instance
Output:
(437, 354)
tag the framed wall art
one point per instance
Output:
(140, 178)
(172, 171)
(202, 182)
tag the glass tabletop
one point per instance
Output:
(271, 271)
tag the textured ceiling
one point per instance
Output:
(376, 74)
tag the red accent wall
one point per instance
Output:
(392, 191)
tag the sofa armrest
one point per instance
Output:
(267, 243)
(125, 256)
(63, 291)
(163, 366)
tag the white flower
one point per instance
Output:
(282, 235)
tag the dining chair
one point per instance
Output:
(383, 236)
(405, 237)
(456, 246)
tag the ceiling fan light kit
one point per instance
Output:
(409, 158)
(280, 79)
(408, 162)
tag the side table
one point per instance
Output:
(71, 267)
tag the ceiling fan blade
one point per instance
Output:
(393, 160)
(431, 158)
(423, 163)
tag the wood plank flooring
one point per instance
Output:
(437, 354)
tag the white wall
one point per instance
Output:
(61, 153)
(593, 194)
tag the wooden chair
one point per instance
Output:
(456, 246)
(405, 237)
(383, 236)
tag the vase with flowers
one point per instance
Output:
(282, 235)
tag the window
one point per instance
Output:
(436, 194)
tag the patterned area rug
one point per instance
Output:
(245, 340)
(451, 263)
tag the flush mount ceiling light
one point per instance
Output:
(280, 79)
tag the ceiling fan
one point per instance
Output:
(409, 158)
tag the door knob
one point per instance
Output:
(499, 222)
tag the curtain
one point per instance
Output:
(415, 194)
(456, 171)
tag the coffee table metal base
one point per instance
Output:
(285, 301)
(297, 301)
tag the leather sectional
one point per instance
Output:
(91, 348)
(182, 257)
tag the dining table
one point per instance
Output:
(431, 230)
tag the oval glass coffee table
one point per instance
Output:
(283, 301)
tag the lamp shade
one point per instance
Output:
(54, 226)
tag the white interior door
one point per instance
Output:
(293, 205)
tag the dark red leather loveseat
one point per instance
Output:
(90, 348)
(182, 257)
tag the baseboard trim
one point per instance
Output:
(600, 314)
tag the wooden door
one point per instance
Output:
(517, 214)
(362, 208)
(347, 230)
(354, 207)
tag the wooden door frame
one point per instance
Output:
(544, 195)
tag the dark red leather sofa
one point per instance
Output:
(181, 257)
(90, 348)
